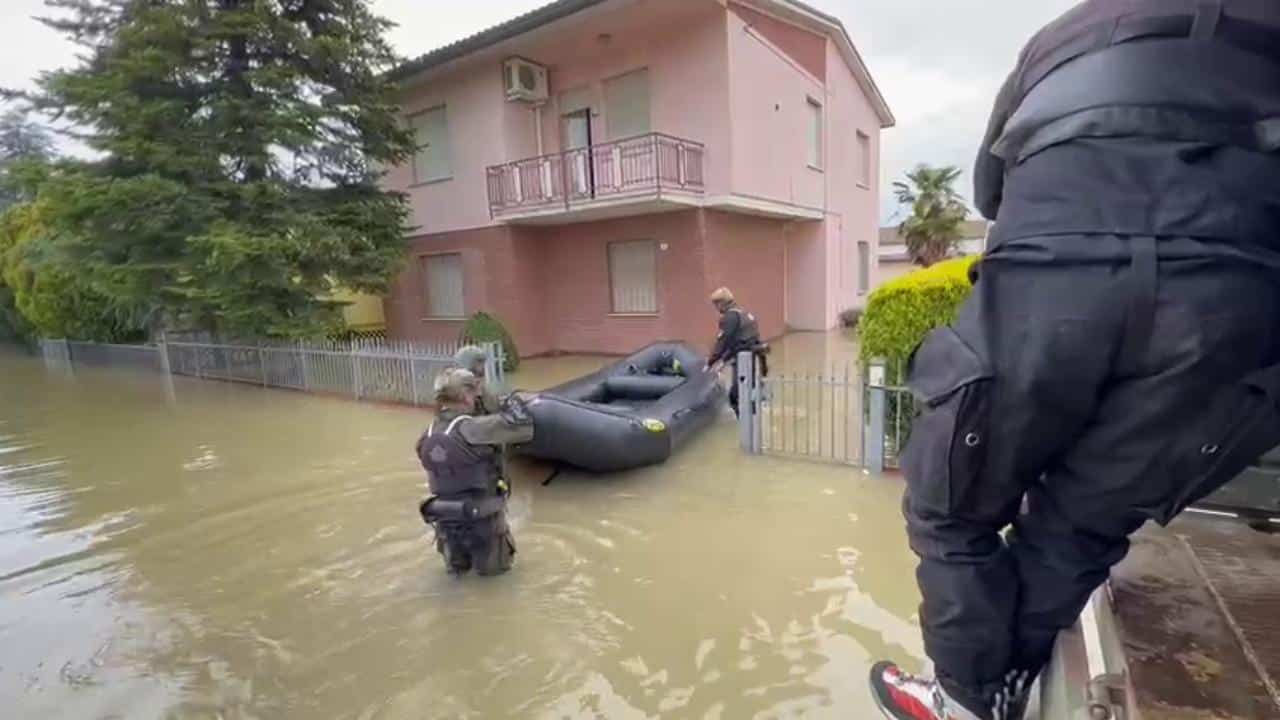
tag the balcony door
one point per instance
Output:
(576, 131)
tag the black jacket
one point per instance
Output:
(739, 332)
(1141, 117)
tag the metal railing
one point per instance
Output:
(641, 166)
(378, 370)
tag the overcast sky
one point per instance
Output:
(938, 62)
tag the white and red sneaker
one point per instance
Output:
(902, 696)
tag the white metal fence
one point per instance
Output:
(377, 370)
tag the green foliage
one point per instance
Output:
(21, 141)
(937, 213)
(41, 295)
(901, 312)
(241, 142)
(482, 328)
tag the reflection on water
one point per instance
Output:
(256, 554)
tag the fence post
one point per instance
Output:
(494, 363)
(166, 369)
(413, 377)
(745, 379)
(262, 364)
(163, 348)
(873, 453)
(305, 365)
(355, 370)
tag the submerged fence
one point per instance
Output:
(365, 369)
(844, 415)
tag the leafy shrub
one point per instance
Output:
(901, 312)
(46, 295)
(482, 328)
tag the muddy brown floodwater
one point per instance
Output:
(245, 553)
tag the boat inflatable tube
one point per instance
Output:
(633, 413)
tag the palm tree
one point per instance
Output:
(937, 212)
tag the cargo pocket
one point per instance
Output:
(1237, 428)
(943, 458)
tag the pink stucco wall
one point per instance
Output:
(807, 48)
(551, 285)
(747, 255)
(853, 208)
(688, 85)
(770, 121)
(806, 276)
(477, 118)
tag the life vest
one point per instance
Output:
(454, 468)
(748, 335)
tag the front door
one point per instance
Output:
(577, 145)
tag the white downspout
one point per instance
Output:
(537, 127)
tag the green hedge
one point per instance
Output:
(482, 328)
(901, 312)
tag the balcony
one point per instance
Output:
(638, 175)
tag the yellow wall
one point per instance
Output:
(364, 312)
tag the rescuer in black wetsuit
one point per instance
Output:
(1119, 358)
(739, 332)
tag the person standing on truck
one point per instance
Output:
(462, 456)
(1119, 358)
(739, 332)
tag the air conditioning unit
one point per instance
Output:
(525, 81)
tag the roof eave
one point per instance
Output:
(490, 37)
(832, 27)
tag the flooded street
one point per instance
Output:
(249, 553)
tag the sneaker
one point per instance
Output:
(902, 696)
(1012, 699)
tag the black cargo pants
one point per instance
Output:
(1104, 393)
(485, 545)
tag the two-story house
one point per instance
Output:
(589, 172)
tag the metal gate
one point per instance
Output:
(838, 415)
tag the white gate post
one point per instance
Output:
(746, 381)
(873, 453)
(355, 370)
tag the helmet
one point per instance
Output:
(453, 384)
(723, 295)
(471, 358)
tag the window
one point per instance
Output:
(864, 159)
(432, 161)
(864, 267)
(815, 133)
(443, 275)
(626, 104)
(633, 277)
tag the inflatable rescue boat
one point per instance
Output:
(633, 413)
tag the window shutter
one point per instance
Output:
(815, 134)
(433, 161)
(633, 276)
(626, 103)
(444, 286)
(864, 159)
